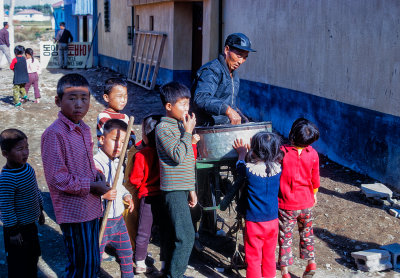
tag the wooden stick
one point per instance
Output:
(121, 161)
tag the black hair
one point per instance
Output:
(10, 137)
(303, 133)
(71, 80)
(112, 82)
(265, 146)
(62, 24)
(30, 52)
(112, 124)
(19, 50)
(149, 128)
(5, 23)
(172, 92)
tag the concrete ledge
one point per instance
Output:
(372, 260)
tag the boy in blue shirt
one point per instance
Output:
(21, 205)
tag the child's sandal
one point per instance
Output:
(286, 275)
(310, 270)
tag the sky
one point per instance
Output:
(31, 2)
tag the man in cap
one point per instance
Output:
(216, 84)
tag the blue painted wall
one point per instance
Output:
(361, 139)
(71, 22)
(59, 17)
(167, 75)
(117, 65)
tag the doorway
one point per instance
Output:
(197, 37)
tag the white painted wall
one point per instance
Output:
(343, 50)
(115, 43)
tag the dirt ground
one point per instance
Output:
(344, 220)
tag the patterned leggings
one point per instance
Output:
(117, 236)
(287, 221)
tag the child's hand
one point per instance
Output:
(110, 195)
(42, 219)
(192, 199)
(16, 240)
(195, 138)
(240, 148)
(131, 204)
(189, 122)
(315, 199)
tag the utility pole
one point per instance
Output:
(1, 13)
(11, 28)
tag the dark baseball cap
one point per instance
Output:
(239, 41)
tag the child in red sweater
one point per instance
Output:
(299, 184)
(145, 176)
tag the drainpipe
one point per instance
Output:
(220, 26)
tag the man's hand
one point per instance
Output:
(131, 204)
(192, 199)
(240, 148)
(42, 219)
(189, 122)
(233, 116)
(110, 195)
(16, 240)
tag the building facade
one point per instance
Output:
(78, 16)
(336, 63)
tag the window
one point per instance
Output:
(130, 35)
(151, 23)
(107, 15)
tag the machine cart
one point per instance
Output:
(215, 170)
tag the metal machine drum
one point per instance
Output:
(216, 141)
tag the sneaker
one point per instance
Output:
(140, 269)
(18, 104)
(37, 100)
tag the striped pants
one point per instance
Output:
(82, 243)
(116, 235)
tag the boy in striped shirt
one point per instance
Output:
(21, 205)
(177, 175)
(116, 97)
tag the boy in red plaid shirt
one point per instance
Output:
(74, 183)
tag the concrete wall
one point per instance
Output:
(341, 50)
(210, 30)
(174, 19)
(115, 43)
(170, 17)
(163, 14)
(334, 62)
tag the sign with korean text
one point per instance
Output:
(78, 53)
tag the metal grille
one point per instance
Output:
(146, 56)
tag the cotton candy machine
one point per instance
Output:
(216, 141)
(215, 165)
